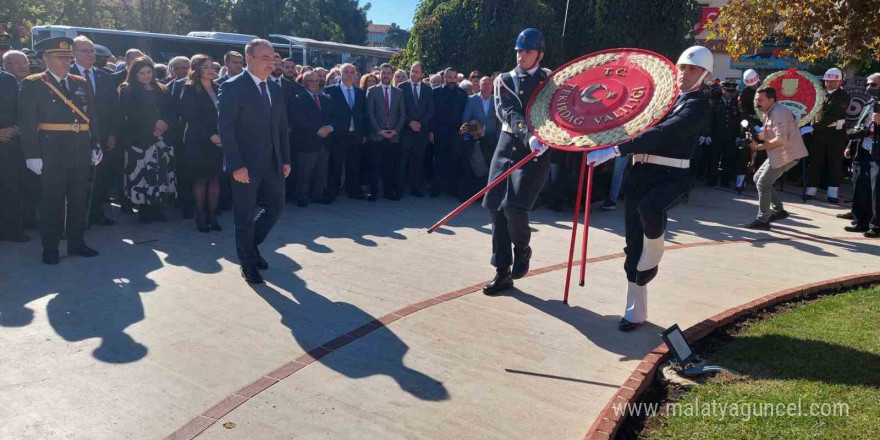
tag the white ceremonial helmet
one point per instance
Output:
(751, 78)
(698, 56)
(833, 74)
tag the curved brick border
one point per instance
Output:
(609, 421)
(202, 422)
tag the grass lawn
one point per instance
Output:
(825, 351)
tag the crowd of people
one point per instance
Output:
(379, 133)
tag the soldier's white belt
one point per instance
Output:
(661, 160)
(74, 127)
(506, 128)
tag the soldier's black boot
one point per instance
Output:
(502, 282)
(521, 262)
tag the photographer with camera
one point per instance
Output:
(784, 147)
(865, 153)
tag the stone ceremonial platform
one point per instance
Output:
(367, 327)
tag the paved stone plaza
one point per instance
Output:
(160, 337)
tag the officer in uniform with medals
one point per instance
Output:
(509, 203)
(659, 179)
(59, 136)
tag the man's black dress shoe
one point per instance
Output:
(846, 215)
(857, 228)
(833, 200)
(502, 282)
(261, 262)
(779, 215)
(757, 224)
(372, 198)
(873, 233)
(521, 263)
(83, 251)
(626, 326)
(251, 274)
(50, 257)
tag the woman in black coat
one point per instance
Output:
(204, 156)
(145, 112)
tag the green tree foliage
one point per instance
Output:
(479, 34)
(843, 29)
(397, 36)
(336, 20)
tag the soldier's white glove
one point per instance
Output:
(599, 157)
(708, 140)
(702, 140)
(35, 165)
(97, 156)
(536, 145)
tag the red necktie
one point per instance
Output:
(317, 101)
(387, 109)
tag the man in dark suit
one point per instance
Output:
(234, 63)
(130, 55)
(253, 130)
(11, 163)
(349, 134)
(17, 63)
(419, 100)
(386, 112)
(449, 101)
(109, 172)
(312, 125)
(174, 136)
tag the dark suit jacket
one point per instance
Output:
(449, 104)
(8, 100)
(308, 119)
(343, 114)
(119, 76)
(377, 113)
(139, 109)
(106, 100)
(175, 133)
(423, 111)
(250, 132)
(199, 115)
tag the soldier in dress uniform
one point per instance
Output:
(751, 80)
(659, 179)
(59, 136)
(828, 139)
(723, 131)
(509, 203)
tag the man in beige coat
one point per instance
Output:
(784, 146)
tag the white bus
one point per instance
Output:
(163, 47)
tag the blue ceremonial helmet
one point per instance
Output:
(530, 39)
